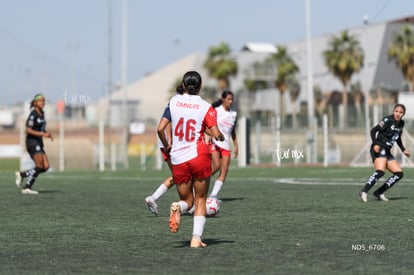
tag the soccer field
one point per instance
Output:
(295, 220)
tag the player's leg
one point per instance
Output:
(201, 191)
(20, 175)
(183, 181)
(380, 164)
(162, 189)
(224, 168)
(185, 192)
(215, 159)
(33, 173)
(201, 171)
(45, 161)
(395, 168)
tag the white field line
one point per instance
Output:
(307, 181)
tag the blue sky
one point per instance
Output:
(50, 45)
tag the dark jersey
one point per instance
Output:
(37, 122)
(389, 131)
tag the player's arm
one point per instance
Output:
(211, 112)
(211, 121)
(168, 133)
(208, 132)
(402, 147)
(216, 133)
(162, 126)
(373, 134)
(33, 132)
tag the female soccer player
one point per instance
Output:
(35, 131)
(189, 116)
(226, 121)
(383, 136)
(162, 189)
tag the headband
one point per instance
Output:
(38, 96)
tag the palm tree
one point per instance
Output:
(286, 69)
(294, 91)
(319, 100)
(258, 75)
(220, 65)
(402, 51)
(358, 97)
(343, 58)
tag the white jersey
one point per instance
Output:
(190, 114)
(226, 121)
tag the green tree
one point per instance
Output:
(358, 97)
(286, 69)
(209, 93)
(221, 65)
(258, 75)
(343, 58)
(294, 91)
(402, 52)
(319, 101)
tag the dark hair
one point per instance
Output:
(223, 96)
(36, 97)
(192, 82)
(217, 103)
(399, 105)
(180, 89)
(226, 93)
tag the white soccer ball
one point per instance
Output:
(212, 206)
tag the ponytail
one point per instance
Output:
(217, 103)
(180, 89)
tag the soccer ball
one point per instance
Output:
(212, 206)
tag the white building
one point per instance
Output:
(148, 96)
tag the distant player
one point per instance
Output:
(383, 136)
(35, 131)
(221, 150)
(189, 116)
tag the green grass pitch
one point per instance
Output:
(287, 220)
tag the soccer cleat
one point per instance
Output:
(152, 205)
(196, 243)
(18, 179)
(380, 197)
(28, 191)
(363, 196)
(175, 217)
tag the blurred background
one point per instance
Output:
(310, 77)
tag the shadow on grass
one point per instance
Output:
(207, 241)
(49, 191)
(399, 198)
(231, 199)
